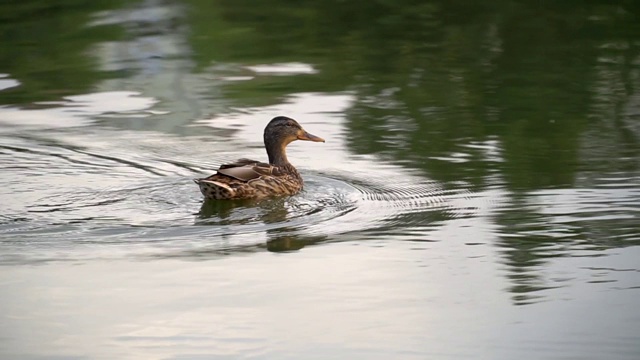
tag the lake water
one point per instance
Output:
(477, 197)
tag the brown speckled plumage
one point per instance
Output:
(247, 178)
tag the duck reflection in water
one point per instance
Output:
(272, 213)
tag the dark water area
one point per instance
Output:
(477, 197)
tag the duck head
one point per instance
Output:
(279, 133)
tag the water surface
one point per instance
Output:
(477, 196)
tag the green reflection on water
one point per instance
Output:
(440, 74)
(47, 46)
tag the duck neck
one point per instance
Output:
(277, 154)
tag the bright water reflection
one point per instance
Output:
(478, 159)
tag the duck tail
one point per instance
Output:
(214, 189)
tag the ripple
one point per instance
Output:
(159, 214)
(322, 200)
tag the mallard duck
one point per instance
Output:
(247, 178)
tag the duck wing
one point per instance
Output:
(247, 169)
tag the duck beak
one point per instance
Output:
(303, 135)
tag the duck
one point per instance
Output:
(251, 179)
